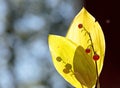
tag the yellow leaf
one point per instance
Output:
(72, 62)
(62, 51)
(80, 35)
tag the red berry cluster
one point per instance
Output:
(95, 56)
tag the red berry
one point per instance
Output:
(96, 57)
(80, 25)
(87, 50)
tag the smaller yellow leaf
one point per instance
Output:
(62, 51)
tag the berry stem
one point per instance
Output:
(90, 40)
(97, 83)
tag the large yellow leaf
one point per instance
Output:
(80, 36)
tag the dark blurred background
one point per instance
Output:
(107, 13)
(25, 60)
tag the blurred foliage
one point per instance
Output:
(25, 60)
